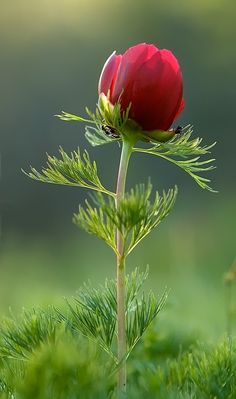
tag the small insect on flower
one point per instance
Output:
(179, 130)
(110, 131)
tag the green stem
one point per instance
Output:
(121, 336)
(228, 299)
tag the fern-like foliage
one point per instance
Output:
(214, 371)
(185, 153)
(134, 283)
(71, 170)
(94, 220)
(140, 316)
(93, 312)
(67, 117)
(20, 336)
(108, 122)
(71, 366)
(209, 373)
(135, 217)
(95, 135)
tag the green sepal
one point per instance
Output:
(161, 136)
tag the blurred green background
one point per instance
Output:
(52, 53)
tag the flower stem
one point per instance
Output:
(121, 336)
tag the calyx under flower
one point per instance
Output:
(118, 124)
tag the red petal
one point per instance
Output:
(181, 107)
(108, 74)
(131, 61)
(155, 91)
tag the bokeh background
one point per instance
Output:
(52, 53)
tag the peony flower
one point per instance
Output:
(148, 78)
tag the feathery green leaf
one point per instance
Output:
(19, 336)
(95, 221)
(65, 116)
(93, 312)
(140, 316)
(135, 217)
(71, 170)
(185, 153)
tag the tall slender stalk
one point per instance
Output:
(121, 337)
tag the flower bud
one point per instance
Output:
(149, 80)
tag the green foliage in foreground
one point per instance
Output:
(41, 358)
(93, 313)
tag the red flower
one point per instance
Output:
(148, 78)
